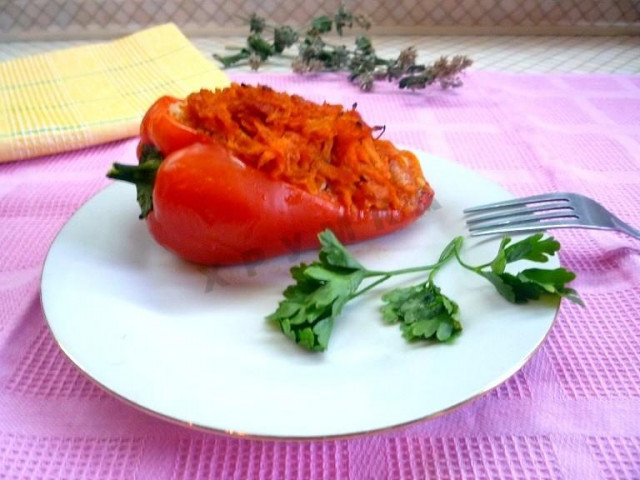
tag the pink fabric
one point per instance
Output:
(573, 412)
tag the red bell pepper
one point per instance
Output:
(202, 202)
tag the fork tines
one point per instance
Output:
(523, 214)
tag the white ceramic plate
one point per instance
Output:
(191, 344)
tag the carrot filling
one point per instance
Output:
(323, 149)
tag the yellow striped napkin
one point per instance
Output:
(82, 96)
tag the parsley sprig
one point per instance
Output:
(322, 289)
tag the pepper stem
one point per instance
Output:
(144, 173)
(143, 176)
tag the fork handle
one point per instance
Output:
(628, 229)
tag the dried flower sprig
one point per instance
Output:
(258, 49)
(315, 54)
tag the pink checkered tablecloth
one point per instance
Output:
(572, 412)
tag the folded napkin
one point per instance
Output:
(82, 96)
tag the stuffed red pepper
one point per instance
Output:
(246, 173)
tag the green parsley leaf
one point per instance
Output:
(549, 280)
(335, 254)
(552, 282)
(501, 282)
(423, 313)
(307, 313)
(533, 283)
(532, 248)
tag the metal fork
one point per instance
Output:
(542, 212)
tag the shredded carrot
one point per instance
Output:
(324, 149)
